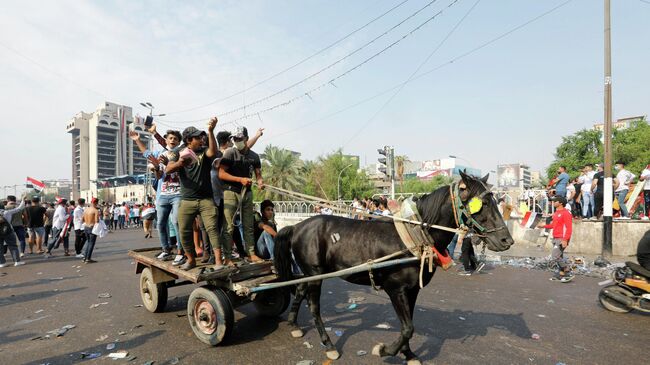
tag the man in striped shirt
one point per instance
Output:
(562, 226)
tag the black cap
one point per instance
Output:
(560, 199)
(223, 137)
(191, 132)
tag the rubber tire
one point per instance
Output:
(157, 298)
(611, 304)
(272, 303)
(224, 311)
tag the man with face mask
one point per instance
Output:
(235, 171)
(622, 187)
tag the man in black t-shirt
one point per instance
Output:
(194, 166)
(597, 187)
(36, 221)
(235, 171)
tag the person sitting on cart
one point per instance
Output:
(194, 167)
(265, 229)
(235, 170)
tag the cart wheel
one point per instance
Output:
(154, 296)
(210, 314)
(272, 303)
(610, 303)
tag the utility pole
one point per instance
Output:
(608, 189)
(392, 172)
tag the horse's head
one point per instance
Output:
(480, 213)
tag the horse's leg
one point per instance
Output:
(400, 300)
(313, 293)
(292, 319)
(411, 358)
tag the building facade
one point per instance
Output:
(101, 147)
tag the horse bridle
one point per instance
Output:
(460, 211)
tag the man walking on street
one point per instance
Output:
(17, 222)
(90, 218)
(7, 235)
(59, 221)
(36, 217)
(235, 170)
(78, 221)
(562, 226)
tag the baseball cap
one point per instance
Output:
(240, 132)
(191, 132)
(559, 199)
(94, 201)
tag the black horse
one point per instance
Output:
(324, 244)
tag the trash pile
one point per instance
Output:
(599, 268)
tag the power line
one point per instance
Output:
(294, 65)
(428, 72)
(331, 81)
(401, 87)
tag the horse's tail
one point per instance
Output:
(282, 253)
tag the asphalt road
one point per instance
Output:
(488, 318)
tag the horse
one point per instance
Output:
(326, 243)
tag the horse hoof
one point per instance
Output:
(332, 354)
(297, 333)
(413, 362)
(377, 349)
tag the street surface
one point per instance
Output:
(488, 319)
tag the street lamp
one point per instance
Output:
(338, 182)
(460, 158)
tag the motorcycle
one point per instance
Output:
(629, 289)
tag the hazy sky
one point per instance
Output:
(510, 101)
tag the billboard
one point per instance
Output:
(508, 176)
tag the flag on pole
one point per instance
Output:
(32, 183)
(531, 220)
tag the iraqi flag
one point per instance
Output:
(531, 220)
(34, 184)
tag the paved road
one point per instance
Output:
(488, 318)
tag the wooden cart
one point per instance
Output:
(210, 308)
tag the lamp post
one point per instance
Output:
(338, 183)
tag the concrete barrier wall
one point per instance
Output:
(587, 238)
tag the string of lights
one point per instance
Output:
(350, 54)
(319, 52)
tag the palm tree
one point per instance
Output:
(282, 168)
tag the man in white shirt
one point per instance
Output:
(622, 185)
(59, 219)
(122, 220)
(588, 204)
(645, 176)
(78, 221)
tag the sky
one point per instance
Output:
(508, 102)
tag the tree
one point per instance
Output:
(282, 168)
(415, 185)
(323, 178)
(631, 145)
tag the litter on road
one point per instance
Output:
(104, 295)
(384, 326)
(361, 353)
(118, 355)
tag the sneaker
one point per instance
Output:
(645, 218)
(566, 278)
(91, 261)
(19, 263)
(162, 255)
(465, 273)
(22, 255)
(48, 255)
(4, 265)
(187, 266)
(479, 267)
(179, 260)
(79, 256)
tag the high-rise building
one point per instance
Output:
(101, 147)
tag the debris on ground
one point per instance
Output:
(101, 338)
(361, 353)
(353, 306)
(60, 331)
(161, 323)
(122, 333)
(131, 358)
(356, 300)
(173, 361)
(137, 306)
(136, 326)
(308, 345)
(601, 262)
(305, 362)
(328, 329)
(599, 268)
(148, 363)
(383, 326)
(338, 333)
(110, 346)
(104, 295)
(57, 278)
(179, 315)
(39, 311)
(535, 336)
(541, 315)
(462, 318)
(90, 355)
(118, 355)
(97, 305)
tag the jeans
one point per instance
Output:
(56, 232)
(265, 245)
(231, 202)
(452, 246)
(588, 204)
(122, 221)
(167, 209)
(20, 233)
(557, 255)
(190, 209)
(91, 239)
(80, 238)
(598, 204)
(467, 255)
(10, 241)
(48, 230)
(646, 199)
(620, 196)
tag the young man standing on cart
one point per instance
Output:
(194, 166)
(235, 171)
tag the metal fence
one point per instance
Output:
(297, 208)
